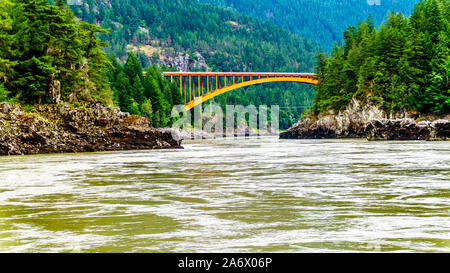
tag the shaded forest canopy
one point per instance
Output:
(320, 21)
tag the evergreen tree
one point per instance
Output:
(147, 109)
(137, 90)
(33, 24)
(51, 56)
(123, 89)
(401, 66)
(5, 40)
(132, 67)
(152, 96)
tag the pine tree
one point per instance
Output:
(177, 99)
(53, 56)
(146, 109)
(401, 66)
(137, 90)
(132, 67)
(123, 88)
(32, 26)
(6, 64)
(159, 104)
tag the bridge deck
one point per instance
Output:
(198, 87)
(239, 74)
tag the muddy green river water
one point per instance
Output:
(231, 195)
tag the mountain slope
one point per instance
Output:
(185, 32)
(319, 20)
(228, 40)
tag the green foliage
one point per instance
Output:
(5, 39)
(188, 26)
(318, 20)
(146, 109)
(3, 93)
(151, 96)
(46, 52)
(402, 66)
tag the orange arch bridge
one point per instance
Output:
(198, 87)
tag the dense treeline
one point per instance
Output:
(319, 20)
(46, 55)
(229, 41)
(403, 65)
(151, 96)
(187, 25)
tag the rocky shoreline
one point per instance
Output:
(199, 135)
(60, 128)
(360, 120)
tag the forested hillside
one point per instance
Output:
(150, 96)
(402, 66)
(228, 40)
(160, 31)
(47, 56)
(319, 20)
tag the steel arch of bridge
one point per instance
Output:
(198, 87)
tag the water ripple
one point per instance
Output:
(259, 194)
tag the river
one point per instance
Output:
(231, 195)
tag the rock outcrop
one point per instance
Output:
(367, 121)
(349, 123)
(59, 128)
(407, 129)
(183, 62)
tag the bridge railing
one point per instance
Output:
(206, 85)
